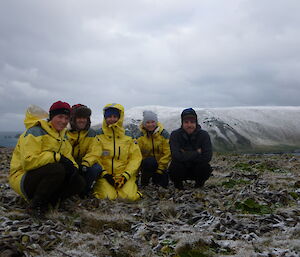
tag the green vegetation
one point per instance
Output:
(294, 195)
(252, 207)
(230, 183)
(243, 166)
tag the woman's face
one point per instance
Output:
(60, 121)
(150, 125)
(111, 119)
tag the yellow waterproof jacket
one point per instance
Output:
(155, 145)
(120, 155)
(86, 147)
(39, 145)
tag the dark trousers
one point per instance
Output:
(90, 176)
(49, 183)
(148, 169)
(180, 171)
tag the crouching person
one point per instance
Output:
(191, 151)
(121, 158)
(154, 144)
(86, 149)
(42, 168)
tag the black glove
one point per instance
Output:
(83, 169)
(68, 165)
(109, 179)
(65, 161)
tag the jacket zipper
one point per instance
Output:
(112, 160)
(76, 143)
(61, 141)
(153, 150)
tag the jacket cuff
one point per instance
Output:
(104, 173)
(159, 171)
(126, 175)
(85, 163)
(56, 156)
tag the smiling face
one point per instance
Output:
(111, 119)
(60, 121)
(150, 125)
(189, 126)
(81, 123)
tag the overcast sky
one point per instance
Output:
(197, 53)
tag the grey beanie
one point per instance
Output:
(149, 115)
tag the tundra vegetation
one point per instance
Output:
(249, 207)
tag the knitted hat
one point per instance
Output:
(59, 107)
(149, 116)
(80, 111)
(189, 114)
(111, 111)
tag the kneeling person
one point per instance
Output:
(42, 168)
(86, 149)
(191, 151)
(121, 158)
(154, 144)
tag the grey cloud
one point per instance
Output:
(191, 53)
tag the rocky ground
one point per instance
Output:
(249, 207)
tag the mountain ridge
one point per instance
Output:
(240, 129)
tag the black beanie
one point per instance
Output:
(190, 114)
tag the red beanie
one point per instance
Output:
(59, 107)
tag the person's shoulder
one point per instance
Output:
(165, 134)
(139, 134)
(130, 136)
(176, 131)
(35, 131)
(99, 131)
(91, 133)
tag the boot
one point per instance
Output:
(37, 209)
(199, 183)
(178, 184)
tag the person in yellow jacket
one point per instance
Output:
(153, 141)
(121, 158)
(86, 148)
(42, 168)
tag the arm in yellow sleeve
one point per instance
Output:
(163, 162)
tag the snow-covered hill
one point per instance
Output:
(269, 129)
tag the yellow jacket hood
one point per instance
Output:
(118, 126)
(34, 114)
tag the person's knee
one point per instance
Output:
(177, 170)
(56, 170)
(79, 183)
(149, 164)
(93, 172)
(205, 168)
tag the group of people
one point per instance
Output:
(52, 162)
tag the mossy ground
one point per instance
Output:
(249, 206)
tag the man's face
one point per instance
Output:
(81, 122)
(150, 125)
(189, 126)
(60, 121)
(111, 119)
